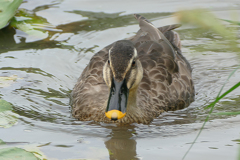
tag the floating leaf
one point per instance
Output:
(35, 150)
(7, 117)
(16, 153)
(7, 10)
(31, 24)
(27, 152)
(5, 106)
(31, 30)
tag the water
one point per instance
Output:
(48, 68)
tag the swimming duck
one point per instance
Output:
(135, 80)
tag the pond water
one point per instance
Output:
(47, 69)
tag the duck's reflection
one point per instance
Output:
(121, 144)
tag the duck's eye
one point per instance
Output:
(133, 63)
(109, 62)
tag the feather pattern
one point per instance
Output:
(166, 85)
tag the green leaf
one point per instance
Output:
(227, 113)
(7, 117)
(31, 24)
(212, 106)
(7, 10)
(16, 153)
(31, 30)
(232, 22)
(223, 95)
(5, 106)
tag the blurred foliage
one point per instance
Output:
(207, 21)
(227, 113)
(225, 93)
(232, 22)
(7, 10)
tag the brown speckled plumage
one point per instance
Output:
(166, 84)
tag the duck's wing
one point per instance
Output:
(171, 37)
(90, 91)
(167, 81)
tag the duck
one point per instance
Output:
(136, 79)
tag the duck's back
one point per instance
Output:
(166, 83)
(167, 78)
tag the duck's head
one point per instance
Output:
(122, 72)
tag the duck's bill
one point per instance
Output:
(117, 101)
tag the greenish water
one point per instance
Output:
(48, 68)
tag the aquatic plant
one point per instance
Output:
(206, 20)
(8, 10)
(12, 16)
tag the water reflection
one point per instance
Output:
(6, 38)
(12, 39)
(98, 21)
(122, 145)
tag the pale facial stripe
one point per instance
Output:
(135, 52)
(130, 62)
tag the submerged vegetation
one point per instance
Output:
(207, 21)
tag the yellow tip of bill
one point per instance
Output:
(115, 114)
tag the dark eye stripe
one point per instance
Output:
(133, 63)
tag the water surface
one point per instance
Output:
(48, 68)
